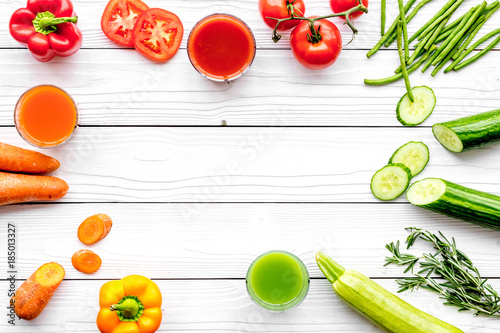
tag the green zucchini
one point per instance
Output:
(413, 113)
(456, 201)
(391, 181)
(383, 308)
(414, 155)
(468, 132)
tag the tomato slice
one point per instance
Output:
(158, 34)
(119, 18)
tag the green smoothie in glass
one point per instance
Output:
(277, 280)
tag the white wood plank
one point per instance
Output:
(180, 241)
(89, 14)
(224, 306)
(248, 164)
(118, 87)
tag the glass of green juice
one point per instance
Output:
(277, 280)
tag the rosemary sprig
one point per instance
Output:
(463, 286)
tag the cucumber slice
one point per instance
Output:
(413, 154)
(468, 132)
(391, 181)
(456, 201)
(413, 113)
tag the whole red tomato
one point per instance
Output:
(278, 9)
(339, 6)
(315, 54)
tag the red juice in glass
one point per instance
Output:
(221, 47)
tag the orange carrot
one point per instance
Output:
(94, 228)
(16, 188)
(34, 294)
(86, 261)
(17, 159)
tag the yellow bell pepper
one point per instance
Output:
(130, 305)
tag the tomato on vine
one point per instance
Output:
(316, 50)
(339, 6)
(316, 42)
(281, 9)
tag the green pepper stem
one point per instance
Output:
(329, 267)
(46, 22)
(129, 308)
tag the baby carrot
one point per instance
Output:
(17, 159)
(16, 188)
(33, 295)
(86, 261)
(94, 228)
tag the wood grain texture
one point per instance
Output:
(224, 306)
(120, 87)
(249, 164)
(179, 241)
(89, 15)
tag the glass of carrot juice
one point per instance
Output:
(221, 47)
(46, 116)
(277, 281)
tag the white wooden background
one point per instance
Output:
(194, 202)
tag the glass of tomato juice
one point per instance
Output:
(221, 47)
(46, 116)
(277, 281)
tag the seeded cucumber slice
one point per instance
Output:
(391, 181)
(447, 138)
(413, 113)
(413, 154)
(426, 191)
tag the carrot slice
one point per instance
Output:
(17, 159)
(86, 261)
(33, 295)
(94, 228)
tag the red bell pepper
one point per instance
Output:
(48, 28)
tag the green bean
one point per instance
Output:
(453, 24)
(463, 54)
(402, 25)
(382, 18)
(394, 78)
(404, 70)
(421, 53)
(475, 30)
(408, 19)
(465, 41)
(435, 34)
(388, 32)
(448, 57)
(447, 40)
(480, 54)
(442, 36)
(459, 35)
(438, 14)
(418, 47)
(445, 16)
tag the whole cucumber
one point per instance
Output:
(468, 132)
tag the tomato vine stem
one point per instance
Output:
(315, 36)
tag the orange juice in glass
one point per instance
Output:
(221, 47)
(46, 116)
